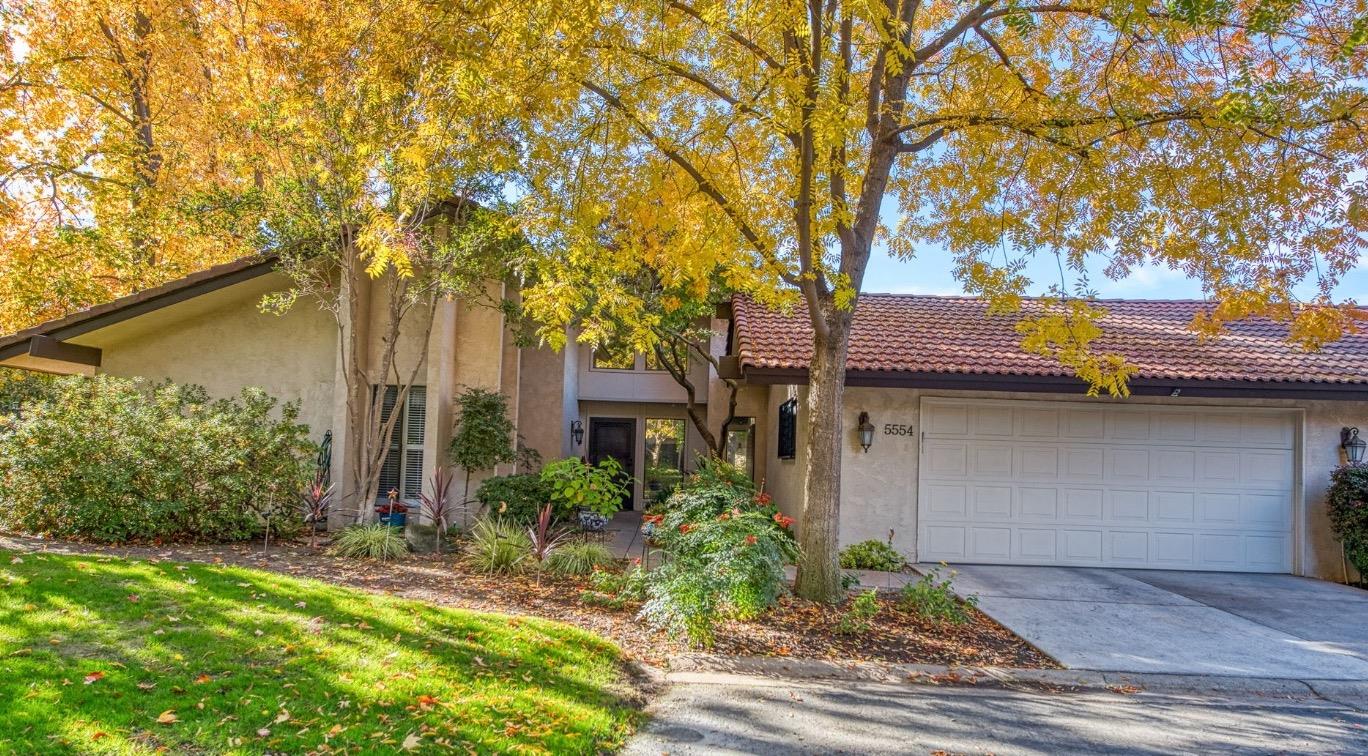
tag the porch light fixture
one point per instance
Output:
(1352, 445)
(867, 432)
(577, 432)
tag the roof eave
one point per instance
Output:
(1187, 388)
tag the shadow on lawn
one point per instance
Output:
(231, 650)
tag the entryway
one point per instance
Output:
(1203, 623)
(614, 438)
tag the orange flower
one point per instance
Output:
(724, 517)
(763, 499)
(750, 540)
(686, 527)
(783, 520)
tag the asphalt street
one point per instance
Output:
(726, 714)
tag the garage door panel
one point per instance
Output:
(1084, 424)
(1083, 504)
(1038, 503)
(1133, 486)
(993, 502)
(1084, 463)
(1081, 546)
(1128, 464)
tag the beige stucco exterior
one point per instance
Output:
(224, 342)
(879, 487)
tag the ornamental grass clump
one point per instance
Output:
(1347, 506)
(580, 558)
(725, 549)
(373, 541)
(498, 546)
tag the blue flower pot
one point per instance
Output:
(396, 520)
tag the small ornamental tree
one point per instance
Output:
(1347, 506)
(485, 437)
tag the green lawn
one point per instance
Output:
(105, 655)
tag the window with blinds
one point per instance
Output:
(403, 468)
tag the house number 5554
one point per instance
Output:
(897, 429)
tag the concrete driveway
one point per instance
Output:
(1206, 623)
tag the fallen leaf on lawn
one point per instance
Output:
(146, 685)
(133, 597)
(17, 560)
(168, 717)
(258, 633)
(264, 732)
(94, 677)
(98, 734)
(202, 679)
(480, 662)
(427, 702)
(411, 742)
(283, 716)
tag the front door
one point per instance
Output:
(616, 438)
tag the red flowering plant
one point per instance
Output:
(726, 548)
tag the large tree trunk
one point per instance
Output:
(819, 573)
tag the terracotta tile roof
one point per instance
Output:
(953, 335)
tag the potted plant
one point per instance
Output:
(393, 513)
(590, 492)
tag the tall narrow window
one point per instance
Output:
(664, 457)
(403, 468)
(788, 429)
(740, 448)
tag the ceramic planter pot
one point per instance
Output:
(592, 521)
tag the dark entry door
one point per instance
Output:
(616, 438)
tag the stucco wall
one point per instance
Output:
(541, 407)
(879, 488)
(231, 346)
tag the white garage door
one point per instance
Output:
(1028, 482)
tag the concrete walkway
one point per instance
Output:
(1193, 623)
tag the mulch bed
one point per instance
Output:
(795, 628)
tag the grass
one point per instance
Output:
(103, 655)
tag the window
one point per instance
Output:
(664, 457)
(614, 358)
(403, 468)
(788, 429)
(740, 447)
(675, 352)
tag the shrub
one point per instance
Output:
(581, 558)
(858, 619)
(1347, 506)
(932, 599)
(726, 548)
(616, 590)
(872, 555)
(576, 486)
(498, 546)
(514, 497)
(373, 541)
(112, 459)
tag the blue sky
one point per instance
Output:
(930, 273)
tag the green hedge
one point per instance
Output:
(1347, 506)
(111, 460)
(515, 497)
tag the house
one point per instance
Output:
(983, 453)
(979, 452)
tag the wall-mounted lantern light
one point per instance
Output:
(577, 432)
(1352, 445)
(866, 432)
